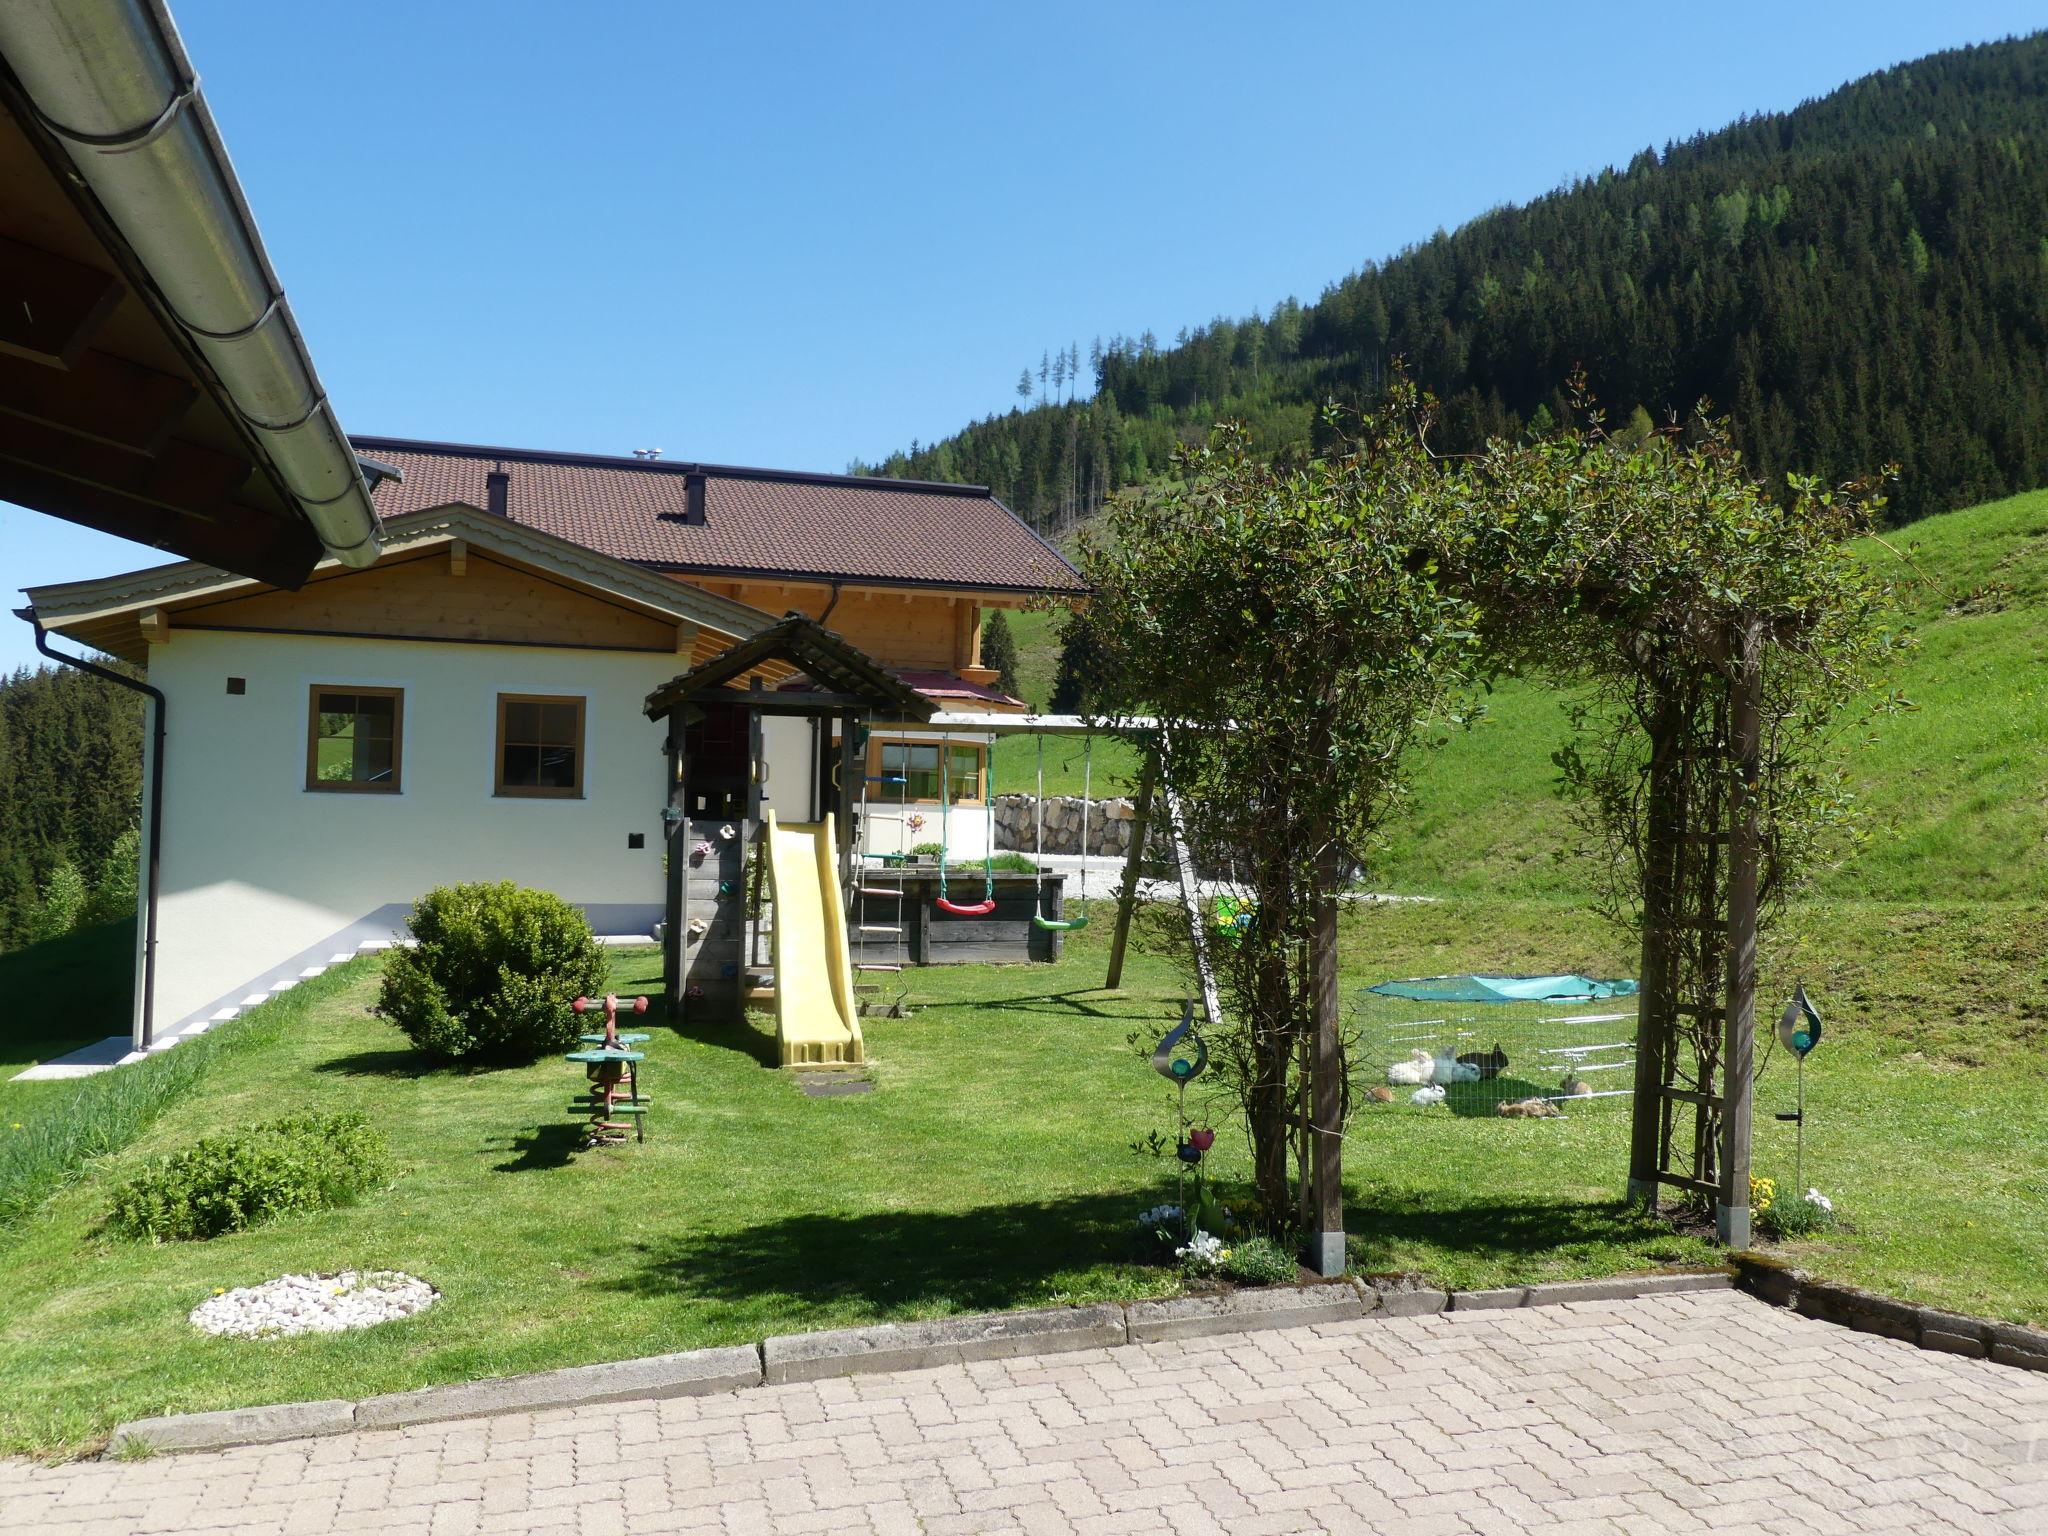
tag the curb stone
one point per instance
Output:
(1280, 1306)
(236, 1426)
(920, 1345)
(1559, 1293)
(1847, 1306)
(697, 1373)
(941, 1341)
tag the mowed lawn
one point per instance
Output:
(992, 1167)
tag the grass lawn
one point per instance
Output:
(991, 1167)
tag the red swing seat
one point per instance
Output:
(966, 908)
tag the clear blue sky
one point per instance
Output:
(794, 235)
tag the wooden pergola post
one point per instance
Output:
(1326, 1100)
(1656, 1008)
(1731, 1215)
(1127, 896)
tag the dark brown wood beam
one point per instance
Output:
(183, 477)
(50, 308)
(249, 541)
(104, 398)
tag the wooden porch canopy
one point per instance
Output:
(842, 679)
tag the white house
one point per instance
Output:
(470, 707)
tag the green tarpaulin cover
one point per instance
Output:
(1505, 989)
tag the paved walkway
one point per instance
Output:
(1703, 1412)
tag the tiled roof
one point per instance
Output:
(945, 685)
(765, 522)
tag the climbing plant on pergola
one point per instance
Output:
(1714, 633)
(1721, 636)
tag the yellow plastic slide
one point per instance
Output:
(817, 1022)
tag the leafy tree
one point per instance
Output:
(1024, 385)
(1288, 629)
(999, 651)
(116, 887)
(62, 903)
(1079, 675)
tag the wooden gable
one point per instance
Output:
(447, 593)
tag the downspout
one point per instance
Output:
(153, 857)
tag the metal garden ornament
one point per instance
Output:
(1180, 1058)
(1799, 1032)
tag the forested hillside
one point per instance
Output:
(1858, 281)
(70, 775)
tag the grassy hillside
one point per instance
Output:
(1957, 791)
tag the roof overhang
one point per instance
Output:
(103, 611)
(153, 383)
(844, 678)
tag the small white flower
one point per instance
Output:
(1160, 1216)
(1202, 1251)
(1815, 1197)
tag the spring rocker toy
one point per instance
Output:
(613, 1068)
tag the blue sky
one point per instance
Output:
(794, 235)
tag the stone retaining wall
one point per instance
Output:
(1109, 824)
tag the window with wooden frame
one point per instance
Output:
(354, 739)
(916, 765)
(540, 747)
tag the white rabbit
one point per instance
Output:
(1419, 1068)
(1427, 1096)
(1446, 1068)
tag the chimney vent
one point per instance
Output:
(497, 492)
(693, 505)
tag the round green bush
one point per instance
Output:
(491, 976)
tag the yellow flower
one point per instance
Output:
(220, 1290)
(1226, 1253)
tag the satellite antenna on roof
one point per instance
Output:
(646, 453)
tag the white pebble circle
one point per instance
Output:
(314, 1304)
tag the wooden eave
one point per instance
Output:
(107, 417)
(114, 614)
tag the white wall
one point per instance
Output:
(258, 871)
(966, 826)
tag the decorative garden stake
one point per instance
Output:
(1180, 1059)
(1799, 1032)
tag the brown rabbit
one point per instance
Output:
(1526, 1109)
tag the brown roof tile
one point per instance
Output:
(755, 521)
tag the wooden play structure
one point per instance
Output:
(611, 1063)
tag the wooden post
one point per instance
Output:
(676, 898)
(1731, 1217)
(1656, 1017)
(850, 798)
(1326, 1100)
(1127, 896)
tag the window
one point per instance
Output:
(916, 763)
(354, 738)
(540, 746)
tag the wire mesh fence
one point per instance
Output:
(1512, 1057)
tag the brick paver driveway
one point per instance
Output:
(1704, 1412)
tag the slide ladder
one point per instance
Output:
(817, 1018)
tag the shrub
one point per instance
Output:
(1802, 1216)
(227, 1183)
(493, 973)
(63, 900)
(1260, 1261)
